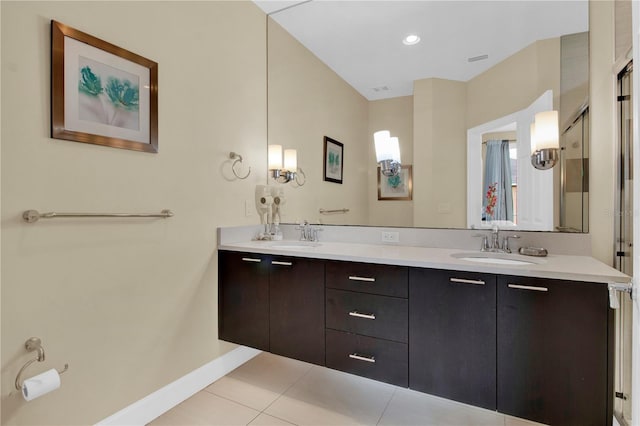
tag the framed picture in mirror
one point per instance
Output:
(398, 187)
(333, 160)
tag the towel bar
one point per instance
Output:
(31, 216)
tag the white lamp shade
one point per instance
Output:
(547, 134)
(290, 160)
(381, 140)
(394, 146)
(275, 157)
(387, 148)
(533, 138)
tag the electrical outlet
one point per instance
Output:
(390, 237)
(248, 208)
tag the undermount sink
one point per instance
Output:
(294, 245)
(498, 258)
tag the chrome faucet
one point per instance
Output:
(495, 245)
(308, 232)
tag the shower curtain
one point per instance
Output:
(497, 201)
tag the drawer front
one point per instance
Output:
(387, 280)
(368, 357)
(368, 314)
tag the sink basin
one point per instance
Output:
(507, 259)
(294, 245)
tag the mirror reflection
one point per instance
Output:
(477, 77)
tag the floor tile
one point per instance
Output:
(328, 397)
(260, 381)
(409, 407)
(515, 421)
(205, 408)
(267, 420)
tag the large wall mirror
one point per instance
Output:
(340, 69)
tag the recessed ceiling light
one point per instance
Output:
(411, 39)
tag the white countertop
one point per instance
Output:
(565, 267)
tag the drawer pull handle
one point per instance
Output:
(362, 358)
(361, 315)
(356, 278)
(277, 262)
(251, 259)
(528, 287)
(463, 281)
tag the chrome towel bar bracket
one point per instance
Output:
(31, 216)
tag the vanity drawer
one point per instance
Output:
(387, 280)
(368, 357)
(368, 314)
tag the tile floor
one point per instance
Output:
(273, 390)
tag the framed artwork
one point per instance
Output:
(100, 93)
(399, 187)
(333, 160)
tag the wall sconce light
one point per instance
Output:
(545, 140)
(276, 170)
(387, 152)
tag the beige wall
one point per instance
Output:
(395, 115)
(514, 83)
(308, 101)
(439, 152)
(129, 304)
(603, 132)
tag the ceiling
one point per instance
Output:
(362, 40)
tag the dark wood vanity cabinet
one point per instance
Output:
(539, 349)
(243, 299)
(452, 335)
(554, 353)
(296, 308)
(367, 320)
(272, 303)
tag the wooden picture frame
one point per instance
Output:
(396, 188)
(333, 160)
(100, 93)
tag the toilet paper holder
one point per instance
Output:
(34, 344)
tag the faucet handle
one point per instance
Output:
(485, 241)
(505, 242)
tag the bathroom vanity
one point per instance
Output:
(533, 341)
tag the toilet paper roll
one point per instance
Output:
(41, 384)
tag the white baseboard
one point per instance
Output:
(152, 406)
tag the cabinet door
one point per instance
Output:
(243, 299)
(297, 308)
(552, 351)
(452, 335)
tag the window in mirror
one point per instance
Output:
(500, 180)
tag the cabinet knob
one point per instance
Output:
(251, 259)
(277, 262)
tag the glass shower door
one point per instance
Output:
(624, 247)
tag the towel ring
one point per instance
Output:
(238, 159)
(34, 344)
(299, 173)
